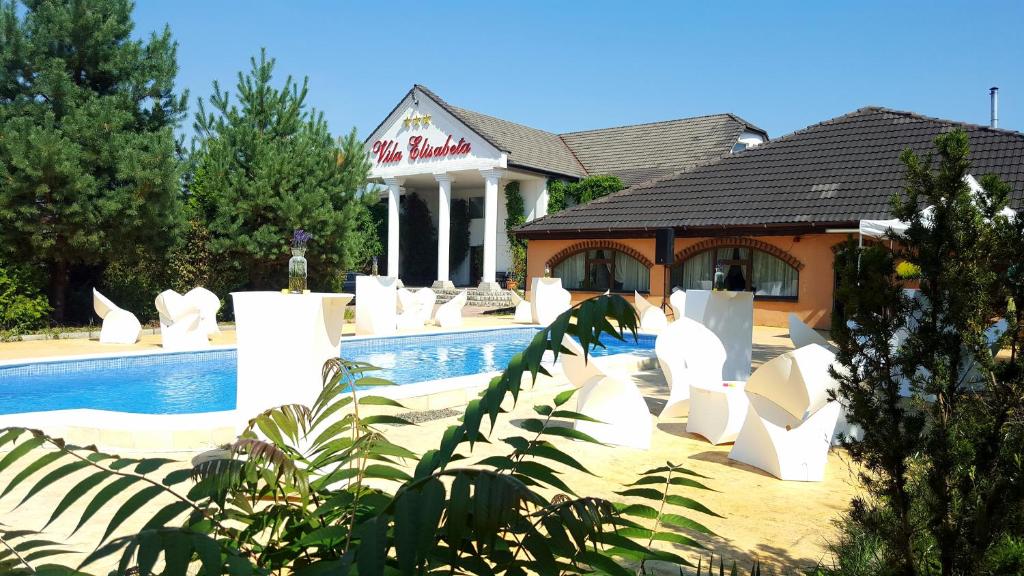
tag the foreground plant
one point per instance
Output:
(320, 489)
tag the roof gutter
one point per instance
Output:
(772, 229)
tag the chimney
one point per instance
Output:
(993, 92)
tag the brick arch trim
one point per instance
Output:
(742, 242)
(578, 247)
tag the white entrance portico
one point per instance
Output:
(423, 148)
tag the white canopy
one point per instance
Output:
(894, 227)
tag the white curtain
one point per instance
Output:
(698, 271)
(631, 274)
(772, 276)
(571, 271)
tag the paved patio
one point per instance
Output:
(784, 523)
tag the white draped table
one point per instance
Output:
(283, 342)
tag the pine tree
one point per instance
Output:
(942, 419)
(268, 165)
(87, 150)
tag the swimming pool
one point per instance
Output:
(193, 382)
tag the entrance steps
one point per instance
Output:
(476, 298)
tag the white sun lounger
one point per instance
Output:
(524, 310)
(181, 326)
(119, 326)
(416, 308)
(651, 317)
(801, 334)
(449, 314)
(609, 396)
(678, 302)
(689, 354)
(208, 304)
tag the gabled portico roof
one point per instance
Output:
(633, 153)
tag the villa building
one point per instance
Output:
(770, 216)
(439, 152)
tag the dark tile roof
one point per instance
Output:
(838, 171)
(633, 153)
(645, 151)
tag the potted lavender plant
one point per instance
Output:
(297, 263)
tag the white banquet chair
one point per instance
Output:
(548, 299)
(609, 396)
(524, 310)
(802, 335)
(449, 314)
(181, 326)
(416, 307)
(689, 354)
(208, 304)
(677, 300)
(790, 422)
(119, 325)
(717, 412)
(651, 317)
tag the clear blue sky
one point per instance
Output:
(563, 66)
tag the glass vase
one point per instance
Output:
(297, 271)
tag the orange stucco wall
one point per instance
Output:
(814, 301)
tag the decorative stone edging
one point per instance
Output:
(740, 241)
(594, 244)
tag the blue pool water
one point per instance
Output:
(191, 382)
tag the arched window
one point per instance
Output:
(603, 268)
(746, 268)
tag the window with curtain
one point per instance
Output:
(745, 268)
(603, 269)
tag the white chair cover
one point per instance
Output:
(376, 305)
(689, 354)
(549, 300)
(797, 381)
(678, 302)
(651, 317)
(791, 421)
(717, 412)
(801, 334)
(524, 310)
(449, 314)
(730, 315)
(608, 396)
(416, 307)
(119, 326)
(208, 304)
(789, 449)
(181, 326)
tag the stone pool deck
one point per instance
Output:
(151, 342)
(784, 523)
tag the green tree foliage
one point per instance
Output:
(87, 151)
(560, 192)
(942, 468)
(319, 489)
(417, 240)
(514, 218)
(268, 165)
(594, 187)
(21, 307)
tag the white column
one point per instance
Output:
(491, 178)
(394, 196)
(444, 209)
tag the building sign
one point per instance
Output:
(418, 148)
